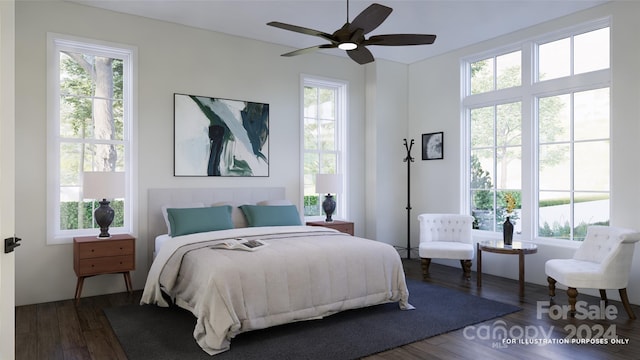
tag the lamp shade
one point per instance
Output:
(328, 183)
(103, 185)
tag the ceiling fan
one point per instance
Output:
(350, 36)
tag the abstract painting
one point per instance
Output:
(220, 137)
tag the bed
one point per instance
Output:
(302, 272)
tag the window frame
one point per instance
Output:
(530, 90)
(342, 89)
(128, 54)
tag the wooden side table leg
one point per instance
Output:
(521, 275)
(479, 266)
(79, 288)
(127, 281)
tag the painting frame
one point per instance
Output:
(220, 137)
(433, 146)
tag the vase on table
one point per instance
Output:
(507, 232)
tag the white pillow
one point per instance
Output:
(237, 216)
(180, 206)
(281, 202)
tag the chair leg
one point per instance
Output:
(573, 297)
(466, 268)
(603, 296)
(425, 268)
(552, 287)
(625, 303)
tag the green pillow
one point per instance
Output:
(196, 220)
(275, 215)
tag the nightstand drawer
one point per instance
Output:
(105, 248)
(342, 226)
(111, 264)
(345, 228)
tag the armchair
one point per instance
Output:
(603, 261)
(446, 236)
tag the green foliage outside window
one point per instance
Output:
(480, 179)
(563, 231)
(483, 212)
(69, 219)
(312, 205)
(483, 200)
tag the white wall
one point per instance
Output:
(386, 174)
(387, 103)
(435, 106)
(171, 58)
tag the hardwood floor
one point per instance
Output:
(62, 330)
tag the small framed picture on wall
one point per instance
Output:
(433, 146)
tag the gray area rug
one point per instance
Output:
(151, 332)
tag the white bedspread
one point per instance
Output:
(304, 273)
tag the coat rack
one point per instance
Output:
(409, 159)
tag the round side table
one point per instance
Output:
(519, 248)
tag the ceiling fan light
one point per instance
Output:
(347, 46)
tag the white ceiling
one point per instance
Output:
(457, 23)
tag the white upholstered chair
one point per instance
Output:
(446, 236)
(602, 262)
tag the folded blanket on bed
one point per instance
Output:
(304, 273)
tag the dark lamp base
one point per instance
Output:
(329, 206)
(104, 217)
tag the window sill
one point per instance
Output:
(480, 235)
(67, 238)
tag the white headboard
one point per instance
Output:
(157, 198)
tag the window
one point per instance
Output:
(323, 112)
(89, 130)
(573, 163)
(573, 55)
(496, 150)
(497, 72)
(549, 134)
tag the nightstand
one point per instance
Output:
(342, 226)
(93, 256)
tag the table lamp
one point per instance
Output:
(328, 184)
(103, 185)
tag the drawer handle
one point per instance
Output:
(92, 250)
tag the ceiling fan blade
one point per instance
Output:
(371, 17)
(309, 49)
(302, 30)
(357, 36)
(361, 55)
(400, 39)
